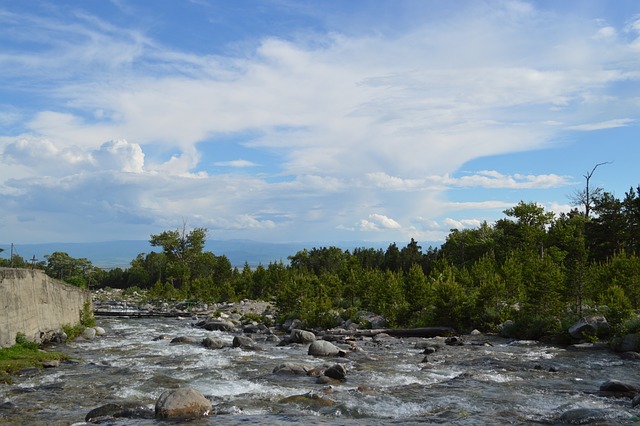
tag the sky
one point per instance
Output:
(290, 120)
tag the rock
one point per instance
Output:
(475, 332)
(301, 336)
(214, 324)
(161, 337)
(273, 338)
(630, 356)
(454, 341)
(99, 331)
(212, 343)
(591, 325)
(582, 416)
(182, 340)
(182, 403)
(291, 369)
(131, 410)
(635, 401)
(629, 343)
(52, 363)
(337, 371)
(89, 333)
(310, 400)
(244, 342)
(324, 348)
(619, 388)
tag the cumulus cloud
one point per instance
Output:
(378, 221)
(119, 155)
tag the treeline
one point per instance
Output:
(536, 269)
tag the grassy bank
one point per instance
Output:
(23, 355)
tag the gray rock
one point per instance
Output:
(292, 369)
(591, 325)
(131, 410)
(89, 333)
(182, 403)
(337, 372)
(212, 343)
(619, 388)
(582, 416)
(629, 343)
(244, 342)
(217, 325)
(99, 331)
(182, 340)
(301, 336)
(324, 348)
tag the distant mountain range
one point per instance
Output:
(112, 254)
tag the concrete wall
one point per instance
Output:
(34, 304)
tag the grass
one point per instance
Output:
(23, 355)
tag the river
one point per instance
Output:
(488, 380)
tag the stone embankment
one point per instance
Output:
(36, 305)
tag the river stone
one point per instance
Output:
(619, 388)
(311, 400)
(292, 369)
(244, 342)
(181, 340)
(324, 348)
(582, 416)
(99, 331)
(301, 336)
(217, 325)
(212, 343)
(129, 410)
(89, 333)
(337, 371)
(182, 403)
(591, 325)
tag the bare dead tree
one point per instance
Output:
(585, 197)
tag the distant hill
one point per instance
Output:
(112, 254)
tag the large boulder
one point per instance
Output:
(324, 348)
(337, 372)
(589, 326)
(301, 336)
(182, 403)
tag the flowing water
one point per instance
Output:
(499, 382)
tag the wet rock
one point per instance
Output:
(337, 371)
(582, 416)
(630, 356)
(131, 410)
(292, 369)
(454, 341)
(52, 363)
(99, 331)
(636, 400)
(591, 325)
(301, 336)
(212, 343)
(161, 337)
(215, 324)
(184, 340)
(619, 388)
(324, 348)
(310, 400)
(244, 342)
(182, 403)
(273, 338)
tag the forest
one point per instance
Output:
(532, 269)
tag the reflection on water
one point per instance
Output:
(388, 382)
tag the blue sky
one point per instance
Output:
(291, 121)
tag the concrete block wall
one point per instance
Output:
(34, 304)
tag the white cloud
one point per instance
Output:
(119, 155)
(609, 124)
(462, 224)
(235, 163)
